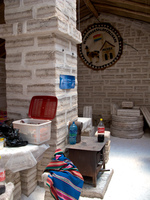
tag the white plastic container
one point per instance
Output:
(37, 129)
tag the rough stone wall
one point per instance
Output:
(41, 38)
(128, 79)
(2, 85)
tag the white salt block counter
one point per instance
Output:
(106, 134)
(87, 122)
(21, 158)
(87, 129)
(107, 145)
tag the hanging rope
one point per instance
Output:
(130, 46)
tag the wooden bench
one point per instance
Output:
(146, 114)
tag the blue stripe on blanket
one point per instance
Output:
(67, 186)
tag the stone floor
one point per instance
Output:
(130, 159)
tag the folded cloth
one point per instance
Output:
(64, 179)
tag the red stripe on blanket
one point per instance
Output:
(63, 195)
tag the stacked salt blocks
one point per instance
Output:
(127, 121)
(107, 146)
(48, 155)
(15, 179)
(28, 180)
(87, 129)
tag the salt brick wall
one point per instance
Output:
(41, 40)
(2, 85)
(128, 79)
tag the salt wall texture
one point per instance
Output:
(128, 79)
(41, 38)
(2, 85)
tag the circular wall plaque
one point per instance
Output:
(101, 46)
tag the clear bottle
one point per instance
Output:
(101, 127)
(73, 133)
(2, 177)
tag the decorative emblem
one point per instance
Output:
(101, 46)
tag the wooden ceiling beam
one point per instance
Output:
(123, 12)
(91, 7)
(83, 13)
(143, 8)
(146, 2)
(142, 2)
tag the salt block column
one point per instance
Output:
(41, 38)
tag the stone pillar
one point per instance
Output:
(41, 38)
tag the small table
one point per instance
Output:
(88, 156)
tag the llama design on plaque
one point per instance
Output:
(92, 54)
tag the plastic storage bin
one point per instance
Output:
(37, 129)
(34, 131)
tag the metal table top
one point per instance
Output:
(88, 143)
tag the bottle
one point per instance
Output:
(73, 133)
(2, 177)
(101, 127)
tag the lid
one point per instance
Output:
(43, 107)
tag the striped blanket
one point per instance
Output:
(64, 179)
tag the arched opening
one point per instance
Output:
(2, 48)
(2, 67)
(2, 21)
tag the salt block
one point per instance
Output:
(127, 104)
(128, 112)
(27, 190)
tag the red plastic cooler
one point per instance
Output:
(37, 128)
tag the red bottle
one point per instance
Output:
(101, 127)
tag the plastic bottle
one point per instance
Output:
(2, 177)
(101, 127)
(73, 133)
